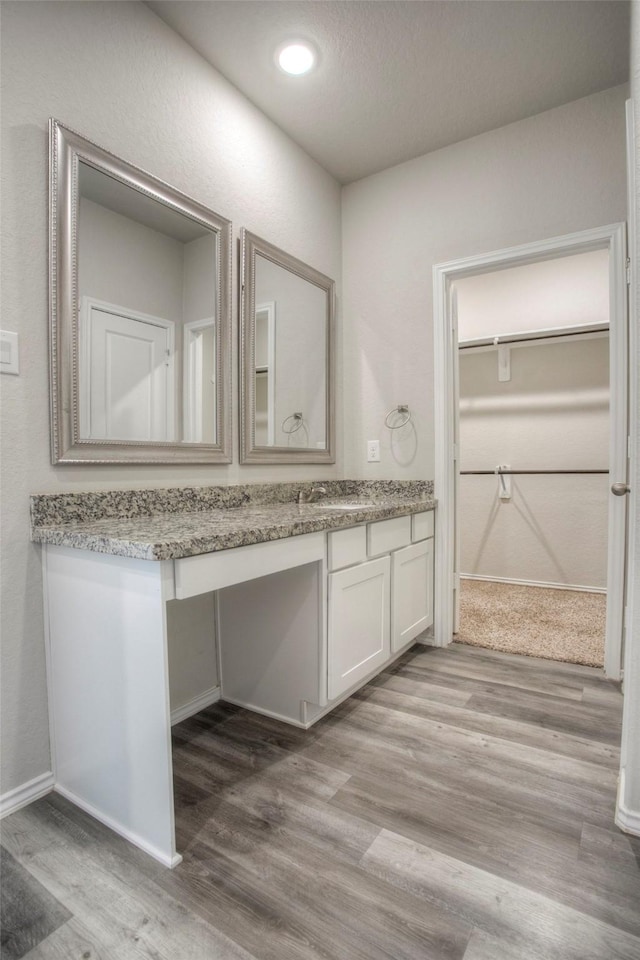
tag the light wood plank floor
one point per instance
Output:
(459, 807)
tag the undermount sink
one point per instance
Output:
(343, 504)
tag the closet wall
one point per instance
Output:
(551, 414)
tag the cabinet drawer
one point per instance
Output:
(387, 535)
(213, 571)
(347, 547)
(422, 525)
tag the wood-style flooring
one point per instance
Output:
(459, 807)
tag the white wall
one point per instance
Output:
(200, 279)
(552, 414)
(119, 76)
(565, 292)
(129, 265)
(551, 174)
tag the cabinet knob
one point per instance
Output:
(619, 489)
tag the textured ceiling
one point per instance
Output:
(400, 78)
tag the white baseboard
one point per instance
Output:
(535, 583)
(12, 800)
(627, 820)
(129, 835)
(196, 705)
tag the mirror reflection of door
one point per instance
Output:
(290, 403)
(199, 381)
(128, 386)
(159, 267)
(265, 358)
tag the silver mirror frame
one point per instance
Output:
(66, 150)
(250, 246)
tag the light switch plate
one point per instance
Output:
(9, 352)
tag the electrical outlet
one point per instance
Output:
(373, 451)
(9, 352)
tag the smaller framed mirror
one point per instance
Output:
(140, 314)
(287, 403)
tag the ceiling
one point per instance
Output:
(132, 203)
(400, 78)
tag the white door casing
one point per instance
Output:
(127, 389)
(628, 800)
(612, 238)
(457, 552)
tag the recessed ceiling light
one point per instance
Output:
(296, 58)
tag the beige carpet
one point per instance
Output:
(566, 625)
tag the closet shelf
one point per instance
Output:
(532, 336)
(493, 473)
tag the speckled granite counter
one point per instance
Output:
(186, 521)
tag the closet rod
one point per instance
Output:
(550, 334)
(493, 473)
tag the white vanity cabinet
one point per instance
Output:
(299, 623)
(359, 634)
(412, 592)
(380, 595)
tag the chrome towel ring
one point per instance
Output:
(404, 411)
(295, 426)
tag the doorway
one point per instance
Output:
(533, 362)
(447, 468)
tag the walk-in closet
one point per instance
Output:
(534, 458)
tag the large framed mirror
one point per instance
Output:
(140, 314)
(287, 404)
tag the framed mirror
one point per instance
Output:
(140, 279)
(287, 405)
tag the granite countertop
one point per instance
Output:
(153, 525)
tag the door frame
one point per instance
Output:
(612, 238)
(628, 801)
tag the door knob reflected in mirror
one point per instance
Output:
(619, 489)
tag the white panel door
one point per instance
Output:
(129, 378)
(412, 593)
(359, 623)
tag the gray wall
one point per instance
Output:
(119, 76)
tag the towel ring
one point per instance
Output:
(295, 426)
(402, 409)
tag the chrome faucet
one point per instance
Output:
(313, 494)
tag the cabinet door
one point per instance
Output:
(412, 587)
(359, 623)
